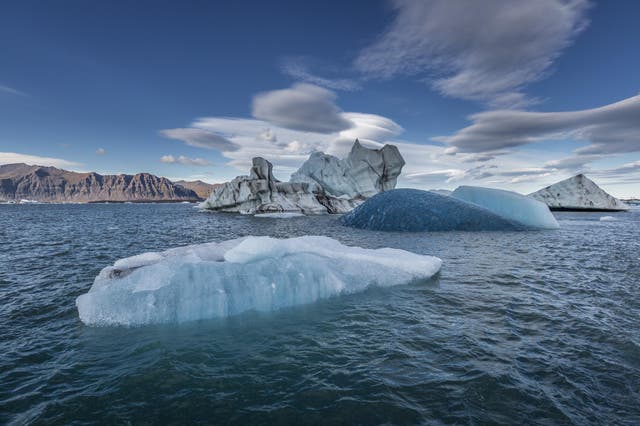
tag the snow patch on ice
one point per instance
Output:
(253, 273)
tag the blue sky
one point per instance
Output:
(509, 94)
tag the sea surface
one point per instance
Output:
(518, 328)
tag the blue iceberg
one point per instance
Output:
(511, 205)
(254, 273)
(413, 210)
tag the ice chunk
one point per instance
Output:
(282, 215)
(255, 273)
(511, 205)
(608, 219)
(413, 210)
(578, 193)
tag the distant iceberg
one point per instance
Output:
(578, 193)
(255, 273)
(511, 205)
(413, 210)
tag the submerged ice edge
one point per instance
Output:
(217, 280)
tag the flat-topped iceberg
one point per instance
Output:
(508, 204)
(413, 210)
(254, 273)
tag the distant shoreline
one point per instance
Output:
(102, 202)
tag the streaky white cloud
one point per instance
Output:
(101, 151)
(428, 165)
(199, 138)
(269, 135)
(478, 50)
(36, 160)
(12, 91)
(610, 129)
(303, 107)
(297, 69)
(573, 162)
(170, 159)
(369, 129)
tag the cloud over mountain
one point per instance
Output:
(186, 161)
(200, 138)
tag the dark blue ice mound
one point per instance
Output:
(413, 210)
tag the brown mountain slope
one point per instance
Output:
(49, 184)
(201, 188)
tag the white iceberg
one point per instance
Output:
(254, 273)
(608, 219)
(323, 184)
(578, 193)
(508, 204)
(283, 215)
(364, 173)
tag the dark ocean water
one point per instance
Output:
(519, 327)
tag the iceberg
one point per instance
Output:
(578, 193)
(413, 210)
(364, 173)
(323, 184)
(217, 280)
(283, 215)
(508, 204)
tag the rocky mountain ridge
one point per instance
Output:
(50, 184)
(201, 188)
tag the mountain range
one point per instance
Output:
(49, 184)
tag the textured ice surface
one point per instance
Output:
(511, 205)
(578, 193)
(414, 210)
(364, 172)
(255, 273)
(283, 215)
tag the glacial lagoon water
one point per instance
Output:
(518, 327)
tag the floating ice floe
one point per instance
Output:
(508, 204)
(282, 215)
(608, 219)
(253, 273)
(413, 210)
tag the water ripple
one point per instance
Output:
(536, 327)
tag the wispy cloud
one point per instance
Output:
(200, 138)
(101, 151)
(12, 91)
(477, 50)
(14, 157)
(170, 159)
(298, 69)
(427, 165)
(613, 128)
